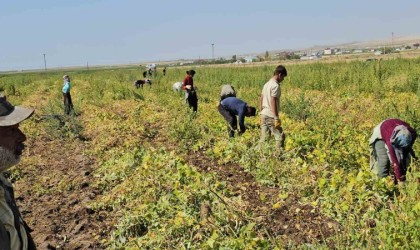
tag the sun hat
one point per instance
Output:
(12, 115)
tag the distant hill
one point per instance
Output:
(397, 41)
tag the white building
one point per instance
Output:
(250, 59)
(327, 51)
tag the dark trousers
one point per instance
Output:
(230, 117)
(192, 100)
(68, 104)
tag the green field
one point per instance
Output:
(164, 178)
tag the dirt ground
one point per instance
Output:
(55, 204)
(294, 222)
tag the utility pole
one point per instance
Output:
(392, 40)
(45, 63)
(212, 51)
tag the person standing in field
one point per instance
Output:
(190, 91)
(14, 232)
(68, 104)
(231, 107)
(391, 144)
(164, 71)
(270, 108)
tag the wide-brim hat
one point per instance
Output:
(12, 115)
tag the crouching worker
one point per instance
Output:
(140, 83)
(14, 233)
(231, 107)
(391, 145)
(227, 91)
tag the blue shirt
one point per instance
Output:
(237, 107)
(66, 87)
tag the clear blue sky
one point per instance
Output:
(74, 32)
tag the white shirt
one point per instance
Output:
(270, 89)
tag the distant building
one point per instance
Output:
(327, 51)
(250, 59)
(311, 57)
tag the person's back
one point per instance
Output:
(391, 144)
(227, 91)
(231, 107)
(236, 105)
(270, 89)
(176, 87)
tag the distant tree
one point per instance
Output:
(267, 55)
(416, 45)
(243, 60)
(387, 50)
(291, 56)
(234, 58)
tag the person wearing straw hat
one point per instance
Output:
(14, 232)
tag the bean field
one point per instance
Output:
(136, 169)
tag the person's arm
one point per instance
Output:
(4, 238)
(241, 118)
(184, 83)
(394, 160)
(273, 105)
(274, 94)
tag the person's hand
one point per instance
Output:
(188, 87)
(277, 123)
(401, 184)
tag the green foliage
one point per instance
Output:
(146, 144)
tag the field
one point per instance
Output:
(135, 169)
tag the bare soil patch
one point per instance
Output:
(54, 196)
(291, 220)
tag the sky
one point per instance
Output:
(111, 32)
